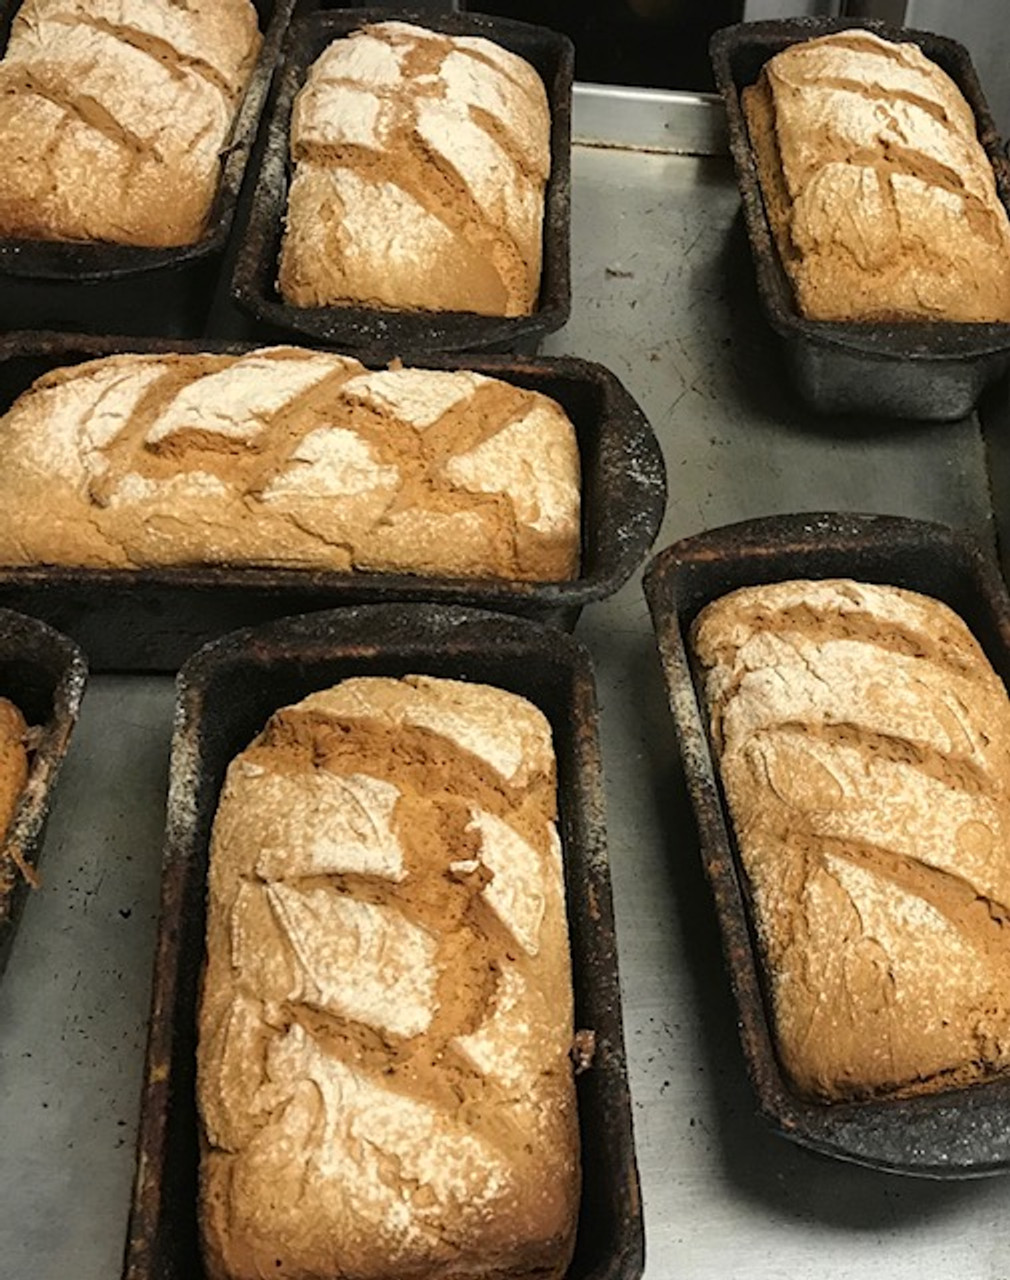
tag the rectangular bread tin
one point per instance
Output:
(932, 371)
(43, 674)
(226, 693)
(955, 1134)
(404, 333)
(152, 619)
(109, 288)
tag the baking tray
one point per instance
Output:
(404, 333)
(109, 288)
(43, 674)
(930, 371)
(225, 695)
(959, 1133)
(152, 619)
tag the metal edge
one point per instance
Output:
(660, 120)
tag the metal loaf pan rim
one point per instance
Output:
(919, 341)
(391, 332)
(62, 671)
(618, 531)
(82, 261)
(272, 666)
(958, 1133)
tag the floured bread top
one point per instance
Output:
(863, 741)
(288, 457)
(882, 201)
(383, 1072)
(420, 162)
(114, 114)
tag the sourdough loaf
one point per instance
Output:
(288, 457)
(114, 114)
(863, 742)
(13, 761)
(383, 1072)
(880, 197)
(420, 162)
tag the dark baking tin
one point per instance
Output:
(153, 619)
(960, 1133)
(225, 695)
(376, 331)
(934, 371)
(109, 288)
(43, 674)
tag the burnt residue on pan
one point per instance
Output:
(43, 674)
(957, 1134)
(933, 371)
(226, 693)
(407, 333)
(110, 288)
(152, 619)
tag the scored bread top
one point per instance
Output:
(863, 742)
(882, 201)
(383, 1070)
(114, 114)
(420, 165)
(288, 457)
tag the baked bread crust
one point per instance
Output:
(288, 457)
(880, 197)
(863, 742)
(383, 1069)
(13, 761)
(114, 114)
(420, 166)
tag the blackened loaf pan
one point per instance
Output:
(933, 371)
(226, 693)
(384, 333)
(43, 674)
(956, 1134)
(110, 288)
(153, 619)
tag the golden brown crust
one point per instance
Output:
(881, 200)
(420, 166)
(13, 761)
(114, 114)
(288, 457)
(863, 742)
(383, 1071)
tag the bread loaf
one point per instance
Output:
(288, 457)
(863, 742)
(13, 761)
(880, 197)
(383, 1071)
(114, 114)
(420, 162)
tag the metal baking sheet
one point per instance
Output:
(663, 292)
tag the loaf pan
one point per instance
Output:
(152, 619)
(920, 369)
(956, 1134)
(43, 674)
(109, 288)
(403, 333)
(226, 693)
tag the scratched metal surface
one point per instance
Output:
(663, 295)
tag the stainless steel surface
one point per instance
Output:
(688, 124)
(984, 26)
(664, 295)
(887, 10)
